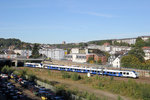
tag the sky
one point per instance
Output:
(73, 21)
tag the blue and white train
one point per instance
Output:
(91, 70)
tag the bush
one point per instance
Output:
(32, 77)
(65, 75)
(7, 70)
(75, 77)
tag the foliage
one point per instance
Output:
(65, 75)
(5, 43)
(23, 73)
(120, 43)
(130, 61)
(7, 70)
(129, 88)
(90, 59)
(99, 61)
(35, 51)
(32, 77)
(147, 42)
(140, 43)
(100, 42)
(75, 77)
(138, 52)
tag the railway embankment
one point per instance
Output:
(141, 73)
(101, 86)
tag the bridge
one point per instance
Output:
(23, 60)
(16, 60)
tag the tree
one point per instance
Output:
(99, 61)
(130, 61)
(139, 53)
(91, 60)
(140, 43)
(35, 51)
(148, 42)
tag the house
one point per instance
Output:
(116, 62)
(97, 57)
(115, 59)
(147, 52)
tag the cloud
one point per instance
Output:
(98, 14)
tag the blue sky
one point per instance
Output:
(54, 21)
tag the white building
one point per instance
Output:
(115, 61)
(100, 47)
(79, 58)
(131, 40)
(147, 52)
(57, 54)
(23, 52)
(115, 49)
(77, 55)
(145, 38)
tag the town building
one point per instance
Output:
(147, 52)
(25, 53)
(81, 55)
(57, 54)
(130, 40)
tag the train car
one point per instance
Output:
(36, 65)
(98, 71)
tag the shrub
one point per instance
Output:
(7, 70)
(65, 75)
(49, 72)
(75, 77)
(32, 77)
(111, 78)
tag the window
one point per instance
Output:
(127, 73)
(120, 72)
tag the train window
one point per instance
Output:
(124, 73)
(120, 72)
(127, 73)
(98, 71)
(107, 72)
(114, 73)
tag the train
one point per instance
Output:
(91, 70)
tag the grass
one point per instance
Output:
(129, 88)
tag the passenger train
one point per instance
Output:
(91, 70)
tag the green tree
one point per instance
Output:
(99, 61)
(91, 60)
(140, 43)
(148, 42)
(35, 51)
(139, 53)
(130, 61)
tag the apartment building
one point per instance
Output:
(57, 54)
